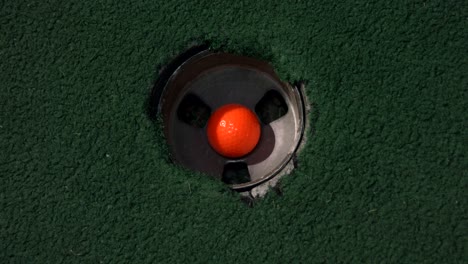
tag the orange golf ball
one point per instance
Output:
(233, 130)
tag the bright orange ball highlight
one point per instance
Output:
(233, 130)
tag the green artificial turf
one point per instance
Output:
(84, 174)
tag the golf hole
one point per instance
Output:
(198, 82)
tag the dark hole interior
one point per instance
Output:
(271, 107)
(193, 111)
(236, 173)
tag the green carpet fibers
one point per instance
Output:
(84, 175)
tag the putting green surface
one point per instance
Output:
(84, 175)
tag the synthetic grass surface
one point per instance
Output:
(84, 175)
